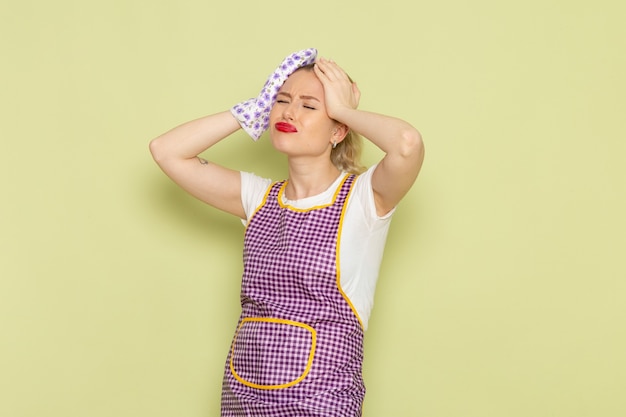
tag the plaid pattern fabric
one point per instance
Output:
(298, 349)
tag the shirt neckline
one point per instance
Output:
(325, 196)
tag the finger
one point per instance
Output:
(340, 73)
(323, 67)
(332, 70)
(319, 71)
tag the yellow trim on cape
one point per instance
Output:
(338, 250)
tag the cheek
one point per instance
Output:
(273, 111)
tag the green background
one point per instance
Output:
(503, 284)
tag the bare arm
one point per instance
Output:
(401, 142)
(177, 150)
(404, 153)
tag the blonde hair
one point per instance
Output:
(346, 156)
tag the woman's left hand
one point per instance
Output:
(340, 93)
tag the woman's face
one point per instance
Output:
(299, 124)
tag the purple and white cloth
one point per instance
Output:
(254, 114)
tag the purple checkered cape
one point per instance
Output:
(298, 348)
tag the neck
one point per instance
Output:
(309, 179)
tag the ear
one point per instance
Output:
(339, 133)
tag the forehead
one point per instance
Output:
(302, 82)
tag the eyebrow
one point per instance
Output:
(302, 97)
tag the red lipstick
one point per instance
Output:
(285, 127)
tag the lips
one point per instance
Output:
(285, 127)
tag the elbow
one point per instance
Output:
(156, 150)
(411, 145)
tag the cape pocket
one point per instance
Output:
(270, 353)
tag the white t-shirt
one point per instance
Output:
(363, 234)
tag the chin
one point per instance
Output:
(281, 145)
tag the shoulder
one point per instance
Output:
(253, 189)
(253, 181)
(363, 193)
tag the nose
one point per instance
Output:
(288, 111)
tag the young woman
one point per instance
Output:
(313, 242)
